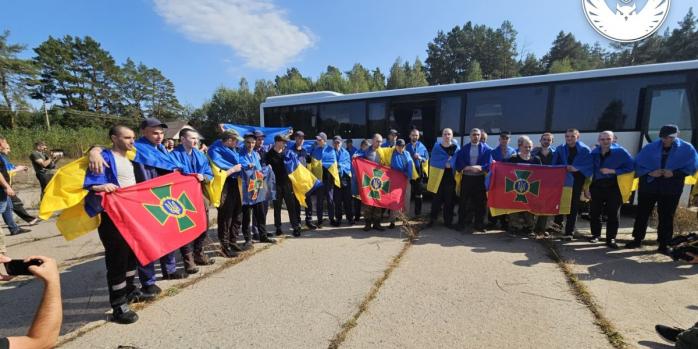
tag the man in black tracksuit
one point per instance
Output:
(275, 157)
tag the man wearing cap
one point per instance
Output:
(402, 161)
(261, 149)
(372, 214)
(661, 167)
(323, 164)
(391, 138)
(249, 158)
(350, 147)
(151, 161)
(363, 148)
(420, 157)
(342, 194)
(304, 158)
(224, 154)
(276, 158)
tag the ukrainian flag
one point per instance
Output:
(324, 158)
(221, 158)
(437, 164)
(66, 192)
(302, 180)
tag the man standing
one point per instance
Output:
(503, 151)
(224, 154)
(249, 159)
(473, 160)
(610, 161)
(545, 153)
(14, 204)
(120, 261)
(661, 167)
(342, 194)
(324, 167)
(442, 177)
(276, 158)
(420, 157)
(372, 214)
(350, 147)
(43, 163)
(577, 157)
(391, 138)
(402, 161)
(261, 149)
(5, 192)
(194, 162)
(304, 159)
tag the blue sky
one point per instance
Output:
(203, 44)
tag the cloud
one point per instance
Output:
(256, 30)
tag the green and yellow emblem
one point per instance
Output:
(171, 208)
(521, 186)
(377, 184)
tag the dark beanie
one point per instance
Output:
(668, 130)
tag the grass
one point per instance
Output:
(73, 142)
(585, 297)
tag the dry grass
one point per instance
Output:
(685, 221)
(584, 295)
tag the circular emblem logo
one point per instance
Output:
(172, 207)
(376, 183)
(626, 20)
(521, 186)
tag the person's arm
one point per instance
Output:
(41, 162)
(6, 186)
(44, 331)
(96, 159)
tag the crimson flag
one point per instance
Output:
(158, 216)
(541, 190)
(380, 186)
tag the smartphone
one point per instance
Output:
(20, 267)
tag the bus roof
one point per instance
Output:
(329, 96)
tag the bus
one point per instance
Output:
(634, 102)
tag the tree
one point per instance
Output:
(331, 80)
(293, 82)
(398, 77)
(359, 79)
(531, 66)
(474, 73)
(561, 66)
(580, 56)
(682, 44)
(377, 82)
(14, 74)
(160, 99)
(416, 76)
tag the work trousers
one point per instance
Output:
(120, 261)
(445, 197)
(229, 212)
(605, 200)
(343, 204)
(571, 219)
(285, 192)
(417, 194)
(666, 207)
(325, 193)
(473, 200)
(258, 220)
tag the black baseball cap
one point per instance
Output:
(280, 138)
(152, 122)
(337, 138)
(299, 133)
(400, 142)
(249, 135)
(258, 133)
(321, 136)
(669, 131)
(393, 132)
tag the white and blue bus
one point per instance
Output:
(632, 101)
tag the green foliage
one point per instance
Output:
(563, 65)
(14, 75)
(474, 72)
(73, 141)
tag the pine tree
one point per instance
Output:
(15, 73)
(474, 73)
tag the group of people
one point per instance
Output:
(453, 173)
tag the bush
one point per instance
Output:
(73, 142)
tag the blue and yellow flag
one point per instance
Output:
(258, 185)
(622, 162)
(326, 158)
(302, 181)
(682, 157)
(437, 164)
(154, 155)
(582, 161)
(421, 165)
(222, 158)
(269, 132)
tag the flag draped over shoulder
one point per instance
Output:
(269, 132)
(421, 150)
(622, 162)
(302, 181)
(324, 157)
(199, 163)
(541, 190)
(258, 185)
(380, 186)
(157, 216)
(154, 155)
(437, 164)
(403, 163)
(222, 158)
(582, 161)
(682, 157)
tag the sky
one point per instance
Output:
(204, 44)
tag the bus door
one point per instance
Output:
(669, 104)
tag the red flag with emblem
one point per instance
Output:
(380, 186)
(158, 216)
(541, 190)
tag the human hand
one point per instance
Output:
(21, 168)
(694, 258)
(668, 173)
(107, 188)
(47, 271)
(571, 168)
(5, 259)
(607, 171)
(10, 192)
(656, 173)
(200, 177)
(97, 163)
(587, 194)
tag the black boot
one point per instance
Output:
(124, 315)
(228, 251)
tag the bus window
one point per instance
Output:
(450, 114)
(347, 119)
(376, 118)
(419, 112)
(300, 117)
(669, 106)
(516, 110)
